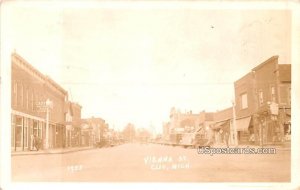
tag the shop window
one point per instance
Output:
(18, 132)
(35, 128)
(40, 130)
(13, 126)
(25, 132)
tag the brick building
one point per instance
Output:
(263, 103)
(205, 121)
(222, 125)
(30, 90)
(93, 130)
(185, 123)
(73, 124)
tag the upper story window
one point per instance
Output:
(32, 100)
(27, 99)
(261, 97)
(15, 94)
(244, 98)
(22, 95)
(273, 95)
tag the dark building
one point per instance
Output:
(30, 90)
(93, 130)
(73, 124)
(263, 104)
(205, 121)
(222, 125)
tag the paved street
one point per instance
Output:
(151, 163)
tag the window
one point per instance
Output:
(27, 99)
(40, 129)
(273, 97)
(13, 123)
(15, 94)
(18, 131)
(32, 101)
(22, 95)
(35, 128)
(244, 98)
(25, 132)
(261, 97)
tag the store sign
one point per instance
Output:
(274, 108)
(40, 106)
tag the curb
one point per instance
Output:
(40, 153)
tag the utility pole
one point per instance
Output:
(49, 104)
(234, 124)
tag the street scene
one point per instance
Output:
(136, 162)
(149, 95)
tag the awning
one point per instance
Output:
(220, 125)
(243, 124)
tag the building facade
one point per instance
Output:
(93, 130)
(183, 123)
(30, 90)
(206, 120)
(263, 104)
(73, 124)
(223, 126)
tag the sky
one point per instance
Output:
(128, 64)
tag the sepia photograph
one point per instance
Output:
(148, 92)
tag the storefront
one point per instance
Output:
(24, 128)
(272, 129)
(221, 131)
(245, 130)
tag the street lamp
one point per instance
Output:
(49, 104)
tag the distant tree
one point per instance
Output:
(129, 132)
(143, 135)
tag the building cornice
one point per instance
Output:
(20, 62)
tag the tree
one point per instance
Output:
(129, 132)
(143, 135)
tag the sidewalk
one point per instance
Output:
(50, 151)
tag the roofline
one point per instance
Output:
(225, 109)
(265, 62)
(75, 104)
(44, 77)
(243, 77)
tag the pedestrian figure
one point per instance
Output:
(36, 143)
(226, 138)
